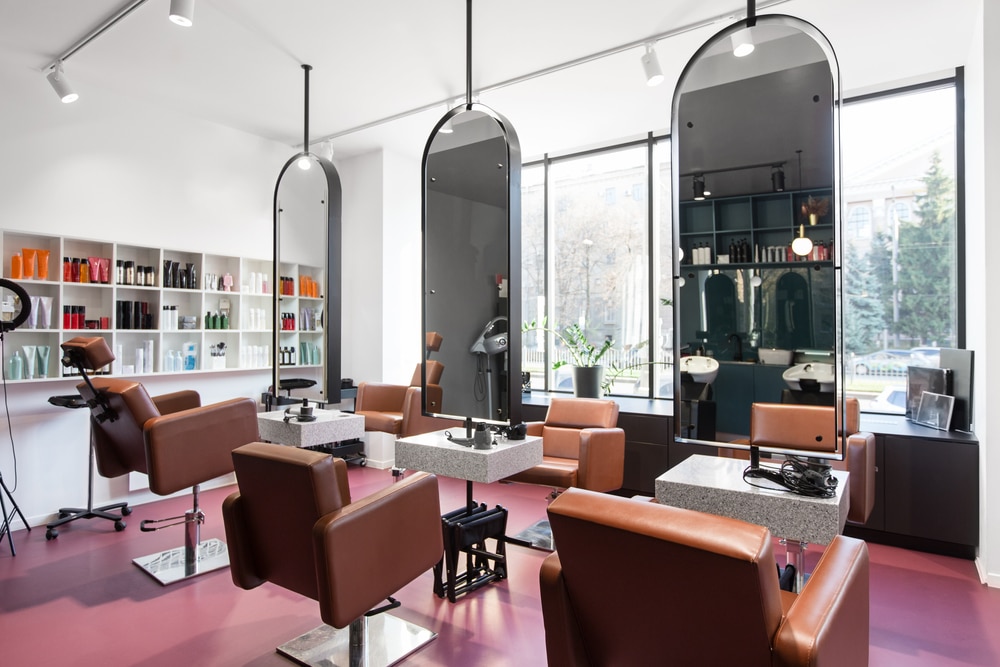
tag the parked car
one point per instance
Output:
(926, 356)
(891, 400)
(883, 362)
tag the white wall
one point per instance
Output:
(129, 173)
(983, 302)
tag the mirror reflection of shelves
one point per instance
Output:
(161, 310)
(755, 229)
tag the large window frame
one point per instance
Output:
(657, 187)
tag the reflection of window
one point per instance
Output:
(638, 191)
(859, 222)
(610, 195)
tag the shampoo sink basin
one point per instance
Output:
(701, 369)
(805, 376)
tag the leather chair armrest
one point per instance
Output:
(177, 401)
(380, 397)
(860, 456)
(241, 562)
(534, 428)
(562, 635)
(602, 459)
(373, 547)
(193, 446)
(827, 624)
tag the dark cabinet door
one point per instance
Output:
(932, 489)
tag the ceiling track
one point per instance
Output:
(728, 16)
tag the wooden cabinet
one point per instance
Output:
(927, 488)
(163, 310)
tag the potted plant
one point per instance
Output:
(587, 371)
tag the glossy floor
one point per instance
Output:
(78, 600)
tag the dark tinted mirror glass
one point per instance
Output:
(471, 268)
(754, 142)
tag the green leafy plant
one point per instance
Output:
(583, 352)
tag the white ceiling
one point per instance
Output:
(239, 65)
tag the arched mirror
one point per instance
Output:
(756, 182)
(303, 298)
(471, 281)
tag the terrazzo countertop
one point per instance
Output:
(433, 452)
(715, 485)
(329, 426)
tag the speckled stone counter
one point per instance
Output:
(330, 426)
(715, 485)
(433, 452)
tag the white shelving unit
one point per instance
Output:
(249, 301)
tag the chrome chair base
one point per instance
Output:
(174, 565)
(377, 641)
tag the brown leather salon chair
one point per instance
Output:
(810, 427)
(582, 446)
(293, 523)
(173, 439)
(642, 583)
(383, 404)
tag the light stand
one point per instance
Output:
(17, 320)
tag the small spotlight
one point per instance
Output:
(699, 188)
(59, 83)
(778, 179)
(742, 43)
(182, 12)
(304, 163)
(651, 66)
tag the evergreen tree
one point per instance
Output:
(864, 307)
(926, 261)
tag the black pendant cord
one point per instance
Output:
(468, 52)
(305, 122)
(751, 13)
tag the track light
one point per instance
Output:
(778, 178)
(699, 188)
(182, 12)
(742, 43)
(651, 65)
(304, 163)
(59, 83)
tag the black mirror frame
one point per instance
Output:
(839, 372)
(514, 316)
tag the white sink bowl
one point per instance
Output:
(701, 369)
(816, 371)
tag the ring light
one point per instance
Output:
(20, 317)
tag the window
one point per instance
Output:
(901, 278)
(859, 222)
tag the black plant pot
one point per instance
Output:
(587, 381)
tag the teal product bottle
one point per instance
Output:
(16, 366)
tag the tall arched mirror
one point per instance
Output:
(471, 281)
(756, 182)
(303, 298)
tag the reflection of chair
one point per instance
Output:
(174, 440)
(582, 446)
(382, 404)
(293, 523)
(701, 563)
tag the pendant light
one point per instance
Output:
(802, 245)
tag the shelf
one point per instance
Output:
(250, 308)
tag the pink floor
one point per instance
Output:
(78, 600)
